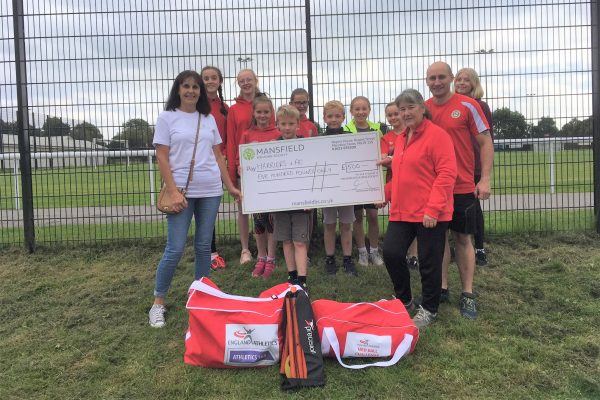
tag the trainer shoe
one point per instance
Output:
(423, 317)
(480, 257)
(330, 266)
(412, 262)
(217, 262)
(375, 258)
(349, 267)
(363, 258)
(269, 268)
(468, 305)
(156, 316)
(259, 267)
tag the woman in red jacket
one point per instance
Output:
(421, 203)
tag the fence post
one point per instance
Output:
(309, 61)
(23, 125)
(595, 21)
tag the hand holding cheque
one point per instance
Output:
(323, 171)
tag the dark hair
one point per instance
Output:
(223, 109)
(413, 96)
(298, 92)
(174, 101)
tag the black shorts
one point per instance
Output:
(263, 222)
(463, 217)
(365, 206)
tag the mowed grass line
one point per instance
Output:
(515, 172)
(75, 326)
(496, 223)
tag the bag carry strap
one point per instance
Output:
(193, 162)
(330, 339)
(204, 288)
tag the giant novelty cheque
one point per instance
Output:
(317, 172)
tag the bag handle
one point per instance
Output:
(204, 288)
(330, 339)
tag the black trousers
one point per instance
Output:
(431, 241)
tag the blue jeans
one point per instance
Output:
(204, 210)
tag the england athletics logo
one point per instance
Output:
(455, 114)
(249, 154)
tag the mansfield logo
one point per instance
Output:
(249, 154)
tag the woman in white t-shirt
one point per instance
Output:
(174, 138)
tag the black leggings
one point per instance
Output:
(479, 224)
(430, 250)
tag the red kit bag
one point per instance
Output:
(227, 331)
(379, 329)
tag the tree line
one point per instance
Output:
(137, 132)
(509, 124)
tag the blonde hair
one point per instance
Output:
(359, 98)
(253, 74)
(287, 111)
(477, 90)
(334, 104)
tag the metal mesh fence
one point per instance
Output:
(98, 75)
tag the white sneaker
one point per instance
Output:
(363, 259)
(156, 316)
(375, 258)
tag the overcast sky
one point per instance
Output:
(107, 62)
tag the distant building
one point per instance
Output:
(543, 144)
(54, 144)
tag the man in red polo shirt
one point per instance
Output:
(462, 118)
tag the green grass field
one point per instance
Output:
(519, 172)
(74, 326)
(514, 172)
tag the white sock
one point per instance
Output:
(373, 250)
(362, 249)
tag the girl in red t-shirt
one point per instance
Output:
(238, 121)
(299, 99)
(262, 129)
(213, 81)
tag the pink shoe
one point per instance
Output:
(269, 268)
(259, 267)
